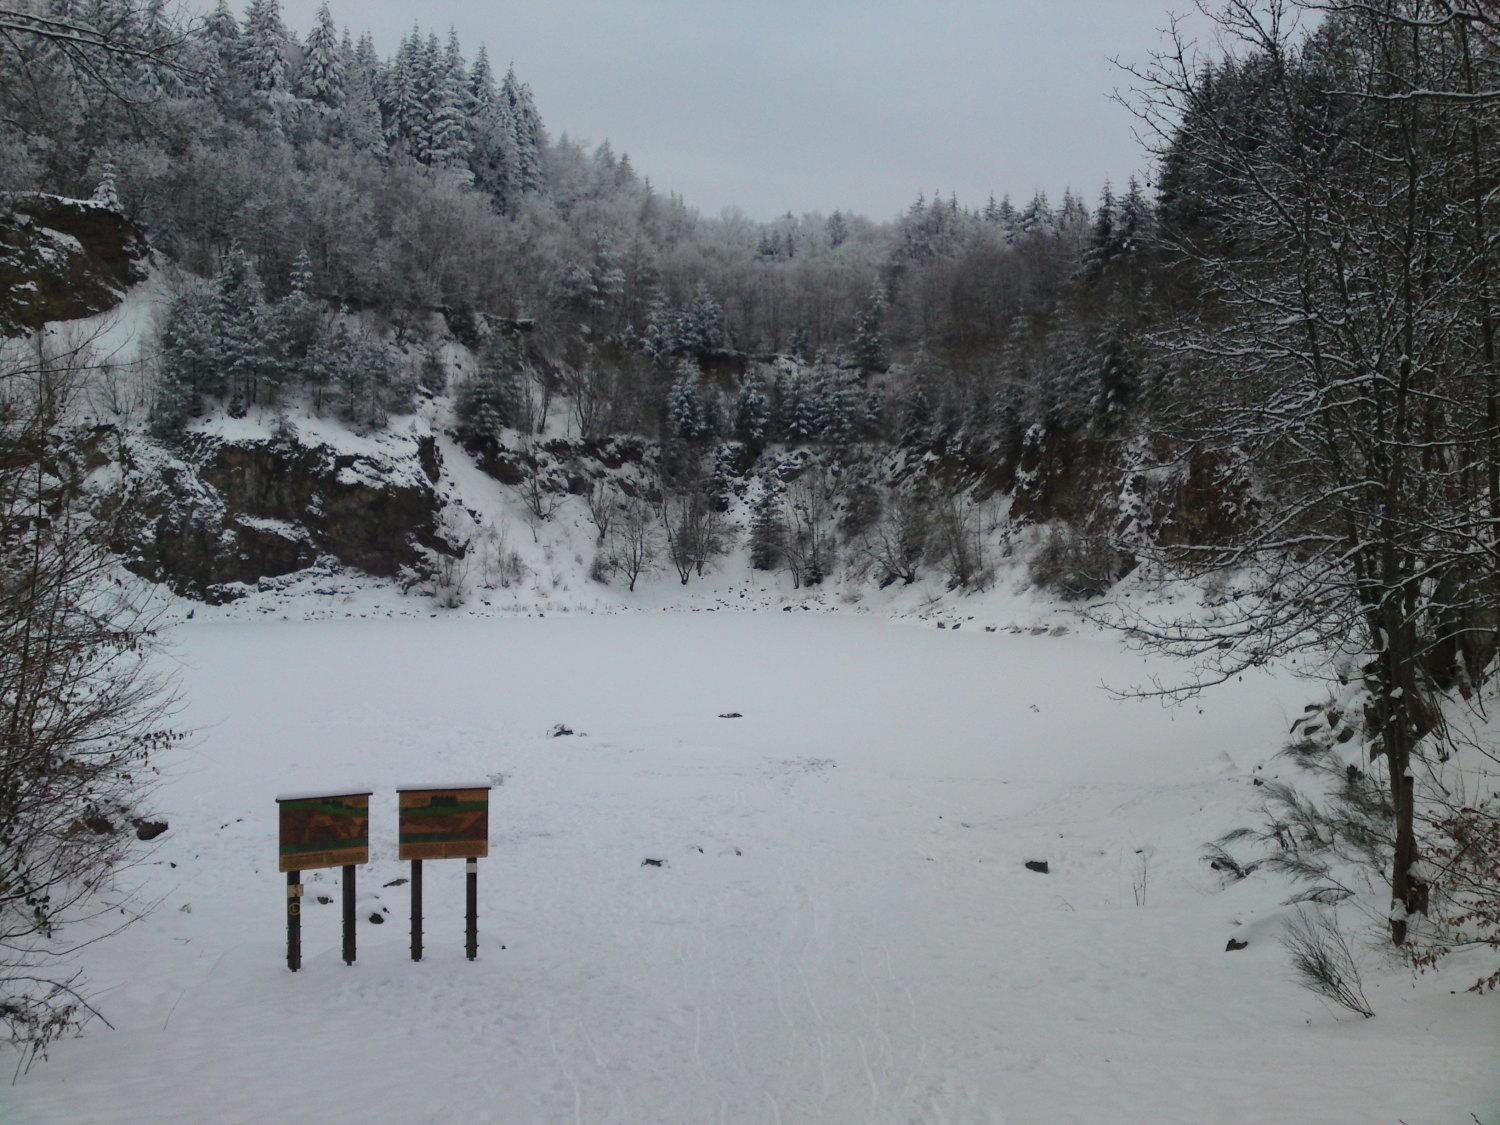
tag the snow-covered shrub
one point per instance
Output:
(1077, 564)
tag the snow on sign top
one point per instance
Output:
(315, 794)
(444, 788)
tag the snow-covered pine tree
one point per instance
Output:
(702, 328)
(685, 415)
(838, 230)
(445, 125)
(870, 351)
(493, 155)
(530, 137)
(918, 419)
(489, 400)
(1037, 219)
(187, 365)
(359, 115)
(1118, 380)
(296, 326)
(766, 525)
(244, 360)
(219, 36)
(752, 414)
(323, 78)
(1102, 245)
(264, 47)
(458, 73)
(401, 98)
(1135, 218)
(801, 406)
(1072, 221)
(367, 60)
(108, 192)
(660, 337)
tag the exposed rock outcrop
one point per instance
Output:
(222, 515)
(63, 259)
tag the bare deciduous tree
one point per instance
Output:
(83, 710)
(633, 541)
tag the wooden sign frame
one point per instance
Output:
(324, 829)
(321, 830)
(444, 821)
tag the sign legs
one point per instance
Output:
(416, 910)
(348, 882)
(471, 928)
(294, 920)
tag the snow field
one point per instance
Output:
(842, 928)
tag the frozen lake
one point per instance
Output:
(841, 929)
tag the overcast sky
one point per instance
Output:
(801, 105)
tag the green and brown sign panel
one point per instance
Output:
(324, 830)
(450, 822)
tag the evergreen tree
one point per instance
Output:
(401, 99)
(1135, 217)
(220, 38)
(752, 414)
(489, 401)
(529, 137)
(1118, 381)
(244, 358)
(918, 418)
(494, 155)
(1102, 244)
(1037, 220)
(801, 407)
(701, 328)
(445, 127)
(870, 351)
(297, 327)
(188, 361)
(838, 230)
(458, 74)
(264, 47)
(107, 193)
(323, 75)
(685, 414)
(359, 115)
(766, 527)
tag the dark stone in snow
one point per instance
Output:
(562, 730)
(401, 882)
(324, 900)
(653, 863)
(1233, 945)
(731, 715)
(377, 919)
(1037, 865)
(149, 829)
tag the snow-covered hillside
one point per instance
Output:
(842, 927)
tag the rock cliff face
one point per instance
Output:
(220, 515)
(62, 259)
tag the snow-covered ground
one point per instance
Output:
(841, 929)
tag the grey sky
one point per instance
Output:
(777, 105)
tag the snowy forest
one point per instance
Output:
(1240, 414)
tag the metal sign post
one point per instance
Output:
(445, 822)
